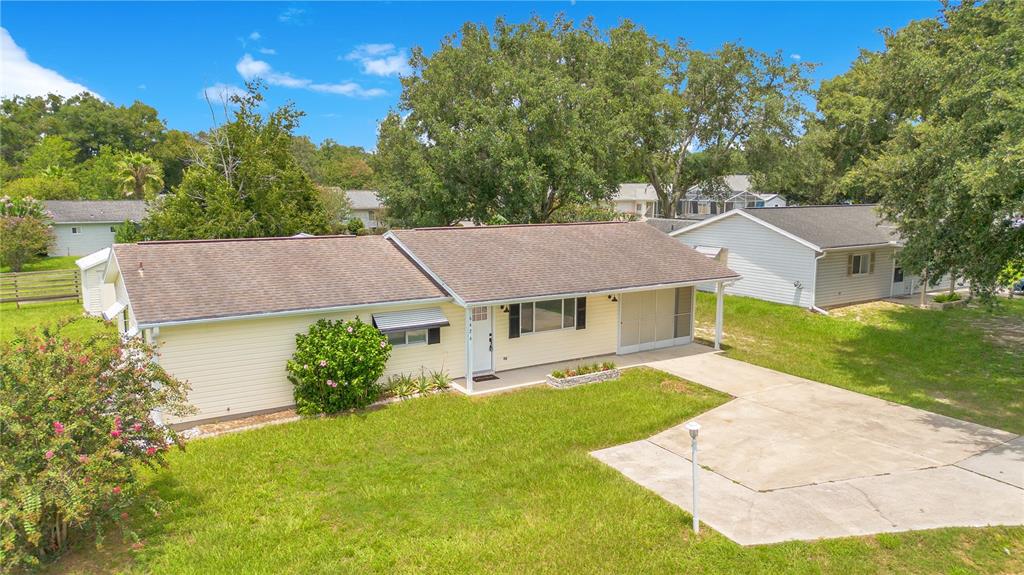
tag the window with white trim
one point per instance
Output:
(76, 230)
(408, 337)
(547, 315)
(861, 264)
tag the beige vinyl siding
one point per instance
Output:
(771, 264)
(835, 287)
(600, 337)
(238, 366)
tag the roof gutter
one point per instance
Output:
(725, 279)
(860, 247)
(390, 235)
(305, 311)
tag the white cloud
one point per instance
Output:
(141, 86)
(292, 15)
(19, 76)
(249, 68)
(220, 92)
(268, 51)
(381, 59)
(254, 36)
(796, 57)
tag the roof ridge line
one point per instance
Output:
(227, 240)
(487, 227)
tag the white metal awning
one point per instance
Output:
(709, 251)
(112, 311)
(410, 319)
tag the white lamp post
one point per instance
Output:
(694, 428)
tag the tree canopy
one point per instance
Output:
(244, 181)
(932, 127)
(513, 122)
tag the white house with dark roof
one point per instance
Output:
(87, 226)
(366, 206)
(223, 314)
(641, 200)
(809, 256)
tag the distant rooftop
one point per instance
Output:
(831, 226)
(96, 211)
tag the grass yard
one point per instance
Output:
(965, 363)
(32, 314)
(55, 263)
(501, 484)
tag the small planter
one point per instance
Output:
(566, 382)
(943, 305)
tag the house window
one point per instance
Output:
(76, 230)
(371, 215)
(547, 315)
(113, 229)
(897, 275)
(860, 264)
(639, 208)
(409, 337)
(480, 313)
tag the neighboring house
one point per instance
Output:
(223, 314)
(366, 206)
(809, 256)
(84, 227)
(669, 225)
(97, 295)
(698, 203)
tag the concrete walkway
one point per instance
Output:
(793, 459)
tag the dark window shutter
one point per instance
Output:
(513, 320)
(433, 335)
(581, 313)
(849, 264)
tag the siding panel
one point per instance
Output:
(834, 287)
(93, 237)
(769, 262)
(600, 337)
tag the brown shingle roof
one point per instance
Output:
(496, 263)
(225, 278)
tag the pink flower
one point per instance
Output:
(150, 450)
(58, 427)
(49, 454)
(349, 329)
(382, 345)
(305, 366)
(115, 433)
(86, 479)
(137, 427)
(323, 363)
(117, 490)
(124, 516)
(331, 383)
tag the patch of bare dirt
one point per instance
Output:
(251, 422)
(862, 311)
(1002, 330)
(676, 386)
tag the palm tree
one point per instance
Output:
(137, 174)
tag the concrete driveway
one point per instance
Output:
(791, 458)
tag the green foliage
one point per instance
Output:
(50, 154)
(337, 366)
(24, 207)
(355, 226)
(513, 122)
(1012, 274)
(673, 99)
(932, 127)
(128, 232)
(588, 213)
(946, 297)
(138, 176)
(331, 164)
(44, 187)
(244, 182)
(75, 424)
(97, 176)
(25, 240)
(582, 369)
(401, 385)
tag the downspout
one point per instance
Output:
(149, 336)
(814, 286)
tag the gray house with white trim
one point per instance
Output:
(87, 226)
(809, 256)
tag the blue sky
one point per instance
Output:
(339, 61)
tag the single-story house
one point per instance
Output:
(809, 256)
(366, 206)
(97, 295)
(86, 226)
(641, 200)
(223, 314)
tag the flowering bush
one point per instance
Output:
(74, 425)
(337, 366)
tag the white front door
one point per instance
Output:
(483, 340)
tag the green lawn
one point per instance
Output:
(55, 263)
(501, 484)
(965, 363)
(33, 314)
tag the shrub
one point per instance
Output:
(440, 380)
(558, 374)
(355, 227)
(337, 366)
(75, 428)
(607, 366)
(25, 240)
(402, 385)
(128, 232)
(946, 297)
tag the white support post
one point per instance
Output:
(469, 350)
(719, 313)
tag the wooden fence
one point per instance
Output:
(52, 285)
